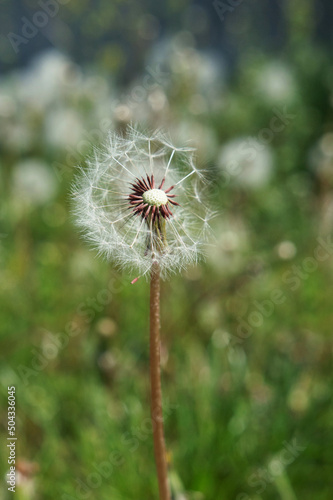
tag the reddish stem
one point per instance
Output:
(155, 380)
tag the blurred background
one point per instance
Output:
(247, 336)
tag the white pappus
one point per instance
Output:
(140, 200)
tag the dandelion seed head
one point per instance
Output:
(139, 200)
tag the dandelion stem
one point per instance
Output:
(155, 380)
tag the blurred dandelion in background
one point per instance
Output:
(247, 162)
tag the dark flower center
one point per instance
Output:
(149, 201)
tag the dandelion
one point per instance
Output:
(141, 199)
(246, 161)
(142, 204)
